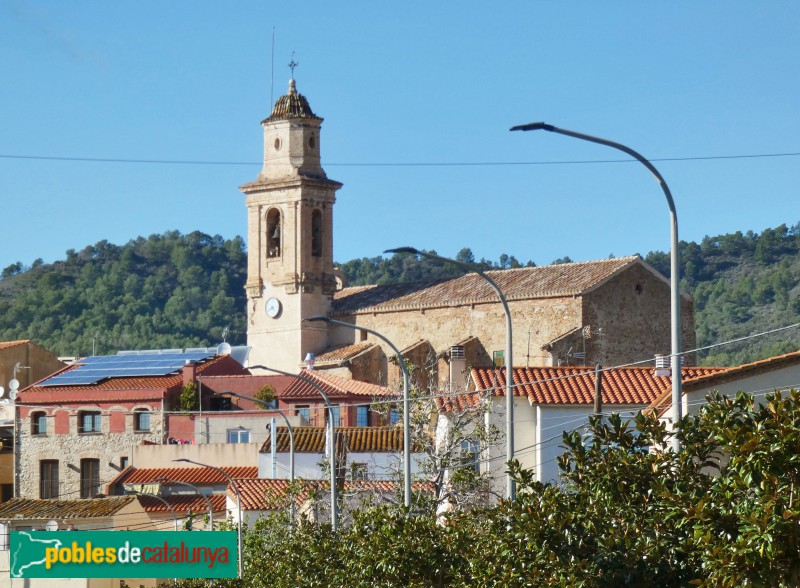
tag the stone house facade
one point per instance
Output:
(72, 439)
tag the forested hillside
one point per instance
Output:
(163, 291)
(176, 290)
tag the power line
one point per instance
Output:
(397, 164)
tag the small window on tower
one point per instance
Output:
(316, 233)
(274, 233)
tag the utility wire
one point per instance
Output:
(398, 164)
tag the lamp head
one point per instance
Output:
(537, 126)
(317, 319)
(403, 250)
(183, 459)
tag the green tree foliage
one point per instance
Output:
(188, 399)
(722, 512)
(267, 395)
(164, 291)
(742, 283)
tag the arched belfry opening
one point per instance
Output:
(273, 233)
(316, 232)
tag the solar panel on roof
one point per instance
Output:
(96, 368)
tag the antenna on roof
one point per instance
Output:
(272, 70)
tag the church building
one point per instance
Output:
(612, 311)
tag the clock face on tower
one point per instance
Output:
(273, 307)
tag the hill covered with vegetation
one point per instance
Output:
(175, 290)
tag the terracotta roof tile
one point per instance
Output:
(344, 353)
(334, 386)
(183, 503)
(575, 385)
(355, 439)
(664, 401)
(262, 494)
(569, 279)
(120, 384)
(7, 344)
(292, 105)
(26, 508)
(191, 475)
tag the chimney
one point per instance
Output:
(663, 365)
(189, 372)
(458, 364)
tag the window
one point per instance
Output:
(359, 471)
(238, 435)
(273, 233)
(394, 416)
(316, 233)
(48, 478)
(498, 359)
(38, 423)
(141, 420)
(90, 478)
(470, 454)
(89, 422)
(123, 462)
(362, 416)
(335, 411)
(304, 412)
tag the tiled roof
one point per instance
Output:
(575, 385)
(292, 105)
(191, 475)
(26, 508)
(334, 386)
(7, 344)
(664, 401)
(568, 279)
(355, 439)
(342, 354)
(262, 494)
(182, 503)
(117, 384)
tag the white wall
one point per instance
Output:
(757, 384)
(306, 466)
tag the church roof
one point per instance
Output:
(292, 105)
(566, 279)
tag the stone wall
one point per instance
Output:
(70, 448)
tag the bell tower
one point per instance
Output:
(289, 238)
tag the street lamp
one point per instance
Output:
(511, 487)
(406, 402)
(238, 500)
(197, 491)
(331, 434)
(273, 433)
(675, 300)
(157, 497)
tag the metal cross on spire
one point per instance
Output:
(293, 64)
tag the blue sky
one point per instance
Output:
(402, 83)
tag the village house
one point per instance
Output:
(77, 428)
(550, 400)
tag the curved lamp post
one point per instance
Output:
(157, 497)
(291, 438)
(406, 402)
(511, 487)
(675, 300)
(197, 491)
(331, 433)
(238, 500)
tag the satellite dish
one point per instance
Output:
(12, 395)
(51, 526)
(224, 349)
(13, 384)
(2, 391)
